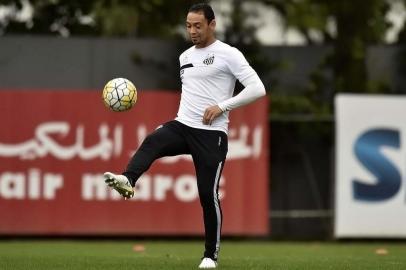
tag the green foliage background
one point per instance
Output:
(357, 25)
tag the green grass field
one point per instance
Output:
(179, 255)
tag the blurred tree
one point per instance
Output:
(61, 17)
(400, 85)
(241, 33)
(139, 18)
(358, 25)
(152, 18)
(349, 26)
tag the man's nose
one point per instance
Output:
(192, 30)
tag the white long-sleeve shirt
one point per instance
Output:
(208, 78)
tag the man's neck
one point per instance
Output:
(207, 44)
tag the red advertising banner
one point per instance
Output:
(55, 146)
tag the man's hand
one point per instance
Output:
(210, 114)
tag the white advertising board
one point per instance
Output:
(370, 197)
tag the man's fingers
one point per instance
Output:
(211, 119)
(206, 117)
(210, 114)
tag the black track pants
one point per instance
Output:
(208, 149)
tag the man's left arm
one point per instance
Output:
(253, 89)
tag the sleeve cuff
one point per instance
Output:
(222, 106)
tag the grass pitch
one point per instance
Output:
(165, 255)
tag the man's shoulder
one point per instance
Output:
(187, 50)
(226, 48)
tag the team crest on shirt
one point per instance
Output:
(209, 59)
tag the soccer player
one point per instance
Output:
(208, 71)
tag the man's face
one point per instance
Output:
(198, 29)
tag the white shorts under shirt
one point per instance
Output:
(208, 78)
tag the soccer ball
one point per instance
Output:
(119, 94)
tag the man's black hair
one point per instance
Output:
(205, 8)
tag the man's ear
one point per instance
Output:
(212, 24)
